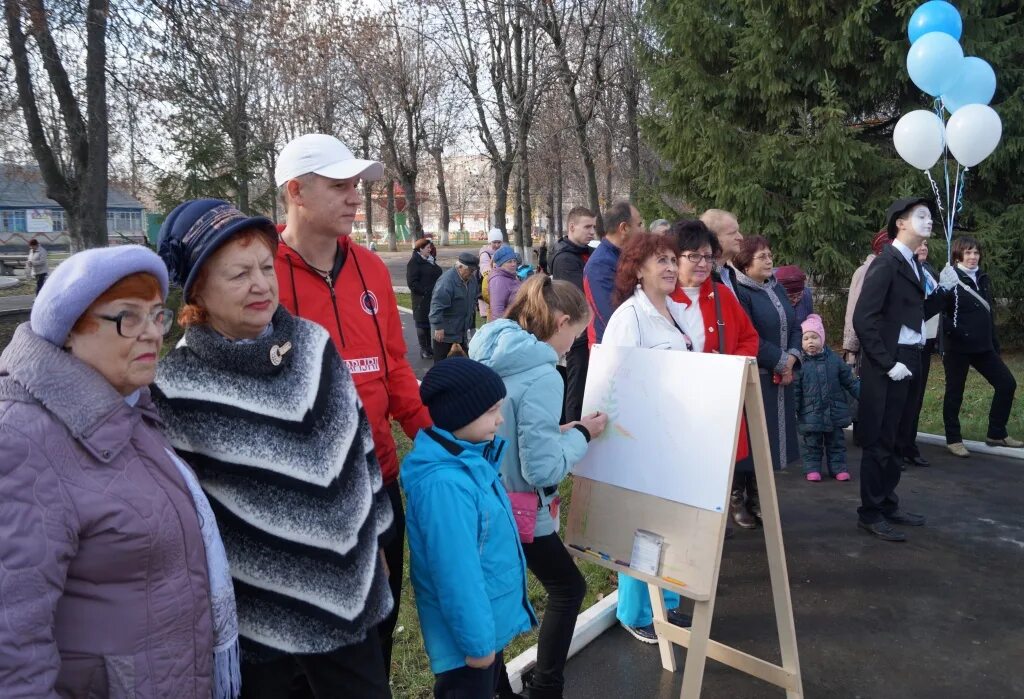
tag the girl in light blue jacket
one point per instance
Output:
(523, 348)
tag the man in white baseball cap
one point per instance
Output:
(325, 277)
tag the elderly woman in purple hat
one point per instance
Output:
(113, 578)
(261, 405)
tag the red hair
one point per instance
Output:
(140, 285)
(638, 249)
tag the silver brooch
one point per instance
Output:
(277, 353)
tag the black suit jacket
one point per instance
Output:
(892, 297)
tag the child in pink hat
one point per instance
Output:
(822, 392)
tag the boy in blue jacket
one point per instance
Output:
(467, 566)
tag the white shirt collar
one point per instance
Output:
(907, 253)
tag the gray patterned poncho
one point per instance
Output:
(283, 449)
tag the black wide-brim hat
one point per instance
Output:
(901, 206)
(195, 229)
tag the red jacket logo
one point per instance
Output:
(368, 302)
(364, 365)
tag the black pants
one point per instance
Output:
(990, 366)
(548, 560)
(350, 672)
(423, 337)
(40, 280)
(906, 442)
(441, 349)
(576, 362)
(815, 446)
(880, 464)
(469, 683)
(394, 554)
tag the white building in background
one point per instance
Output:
(26, 212)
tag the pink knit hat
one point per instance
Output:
(813, 324)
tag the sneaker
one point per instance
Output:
(1005, 442)
(426, 354)
(958, 449)
(813, 476)
(843, 476)
(644, 634)
(680, 619)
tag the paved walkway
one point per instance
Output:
(15, 304)
(941, 616)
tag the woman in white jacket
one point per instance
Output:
(646, 317)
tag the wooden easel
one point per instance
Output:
(693, 555)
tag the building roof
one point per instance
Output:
(23, 187)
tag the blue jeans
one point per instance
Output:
(635, 602)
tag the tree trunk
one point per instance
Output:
(412, 209)
(502, 175)
(240, 153)
(368, 208)
(367, 191)
(81, 190)
(445, 217)
(392, 234)
(631, 88)
(524, 239)
(559, 222)
(550, 222)
(608, 172)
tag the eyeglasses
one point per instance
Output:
(130, 324)
(763, 256)
(696, 257)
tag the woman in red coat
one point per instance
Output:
(716, 321)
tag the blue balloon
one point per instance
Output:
(934, 62)
(935, 16)
(975, 84)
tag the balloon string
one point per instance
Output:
(938, 198)
(952, 213)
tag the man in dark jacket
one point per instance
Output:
(567, 262)
(889, 321)
(453, 305)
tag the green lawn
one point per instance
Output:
(410, 670)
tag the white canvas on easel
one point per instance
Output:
(640, 390)
(658, 441)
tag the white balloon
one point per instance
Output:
(972, 133)
(919, 138)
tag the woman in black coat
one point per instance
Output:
(421, 274)
(778, 353)
(969, 339)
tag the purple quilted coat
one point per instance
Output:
(103, 579)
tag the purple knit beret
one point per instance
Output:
(81, 279)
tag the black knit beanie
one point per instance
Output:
(458, 390)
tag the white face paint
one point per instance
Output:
(921, 221)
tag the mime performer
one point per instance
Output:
(889, 320)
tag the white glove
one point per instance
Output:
(899, 372)
(948, 278)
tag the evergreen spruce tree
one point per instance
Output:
(783, 113)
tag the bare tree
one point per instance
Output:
(80, 186)
(395, 87)
(578, 30)
(490, 47)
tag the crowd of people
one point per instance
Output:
(228, 519)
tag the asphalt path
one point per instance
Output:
(938, 617)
